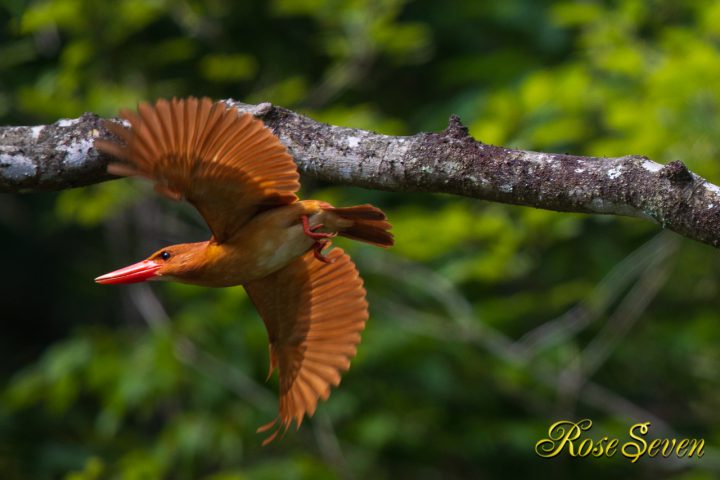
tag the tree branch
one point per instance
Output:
(61, 155)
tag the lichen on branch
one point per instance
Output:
(61, 155)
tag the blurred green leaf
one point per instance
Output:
(226, 68)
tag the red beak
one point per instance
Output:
(137, 272)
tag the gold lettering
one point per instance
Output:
(564, 435)
(653, 448)
(682, 446)
(666, 452)
(561, 433)
(696, 444)
(635, 450)
(612, 447)
(585, 448)
(601, 449)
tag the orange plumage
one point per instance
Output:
(243, 182)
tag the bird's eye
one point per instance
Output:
(165, 255)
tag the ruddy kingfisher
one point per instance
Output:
(243, 182)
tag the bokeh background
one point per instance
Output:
(488, 322)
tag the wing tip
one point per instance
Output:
(314, 362)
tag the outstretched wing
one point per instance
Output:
(227, 164)
(314, 313)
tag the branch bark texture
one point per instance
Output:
(61, 155)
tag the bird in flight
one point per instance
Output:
(243, 182)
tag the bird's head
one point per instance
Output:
(176, 262)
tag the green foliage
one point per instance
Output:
(89, 206)
(454, 378)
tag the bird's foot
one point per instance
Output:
(317, 249)
(310, 231)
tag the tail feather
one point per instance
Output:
(363, 212)
(369, 225)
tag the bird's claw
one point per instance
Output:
(310, 231)
(321, 239)
(317, 251)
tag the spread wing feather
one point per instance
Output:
(314, 313)
(227, 164)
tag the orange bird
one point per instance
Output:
(243, 181)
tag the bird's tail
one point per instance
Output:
(366, 223)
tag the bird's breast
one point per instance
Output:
(278, 250)
(259, 249)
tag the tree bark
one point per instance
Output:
(61, 155)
